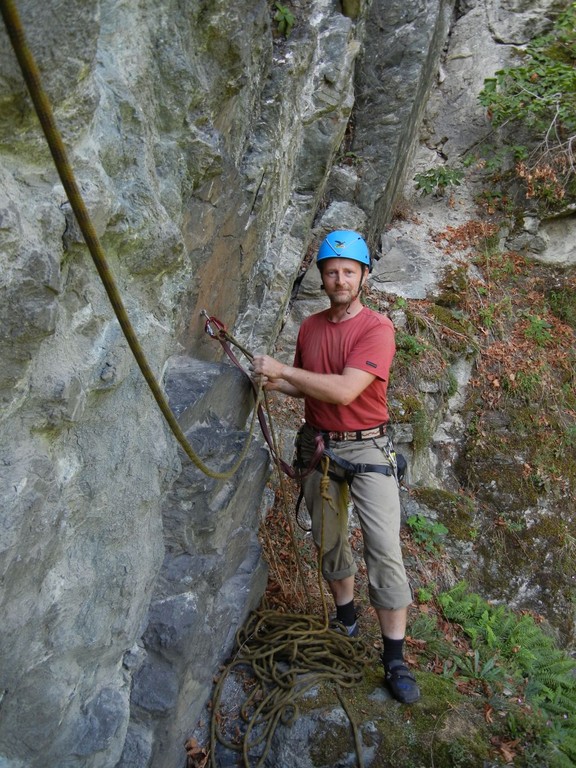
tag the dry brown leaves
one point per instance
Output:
(196, 756)
(468, 235)
(508, 748)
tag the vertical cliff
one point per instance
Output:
(201, 140)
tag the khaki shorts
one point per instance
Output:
(377, 504)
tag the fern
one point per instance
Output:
(530, 654)
(558, 759)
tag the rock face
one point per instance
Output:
(202, 141)
(205, 145)
(125, 570)
(403, 46)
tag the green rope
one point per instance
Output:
(45, 115)
(282, 656)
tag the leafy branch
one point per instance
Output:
(535, 99)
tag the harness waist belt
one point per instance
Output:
(351, 470)
(359, 434)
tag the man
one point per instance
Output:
(341, 369)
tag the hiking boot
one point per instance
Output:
(401, 682)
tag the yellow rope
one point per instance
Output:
(281, 656)
(56, 145)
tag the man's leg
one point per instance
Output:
(400, 680)
(329, 517)
(377, 502)
(342, 590)
(343, 594)
(393, 626)
(392, 623)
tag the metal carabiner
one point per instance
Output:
(208, 324)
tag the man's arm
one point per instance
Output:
(279, 385)
(339, 389)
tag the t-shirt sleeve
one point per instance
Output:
(375, 351)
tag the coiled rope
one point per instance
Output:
(53, 137)
(285, 655)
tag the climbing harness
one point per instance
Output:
(395, 466)
(351, 469)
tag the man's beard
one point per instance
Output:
(343, 297)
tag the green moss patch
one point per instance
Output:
(455, 511)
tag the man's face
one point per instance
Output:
(342, 279)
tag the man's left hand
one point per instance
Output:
(264, 365)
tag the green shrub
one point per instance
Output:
(532, 659)
(534, 99)
(435, 180)
(427, 532)
(408, 345)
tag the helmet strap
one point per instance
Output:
(361, 284)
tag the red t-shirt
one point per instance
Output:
(366, 341)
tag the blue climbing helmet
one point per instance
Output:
(344, 244)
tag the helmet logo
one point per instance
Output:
(339, 244)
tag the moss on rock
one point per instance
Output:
(454, 510)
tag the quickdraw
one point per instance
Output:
(217, 330)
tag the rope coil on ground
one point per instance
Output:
(284, 655)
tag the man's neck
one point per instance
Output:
(339, 313)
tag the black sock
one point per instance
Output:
(393, 650)
(346, 614)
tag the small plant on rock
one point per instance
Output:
(436, 180)
(538, 329)
(427, 532)
(284, 19)
(409, 346)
